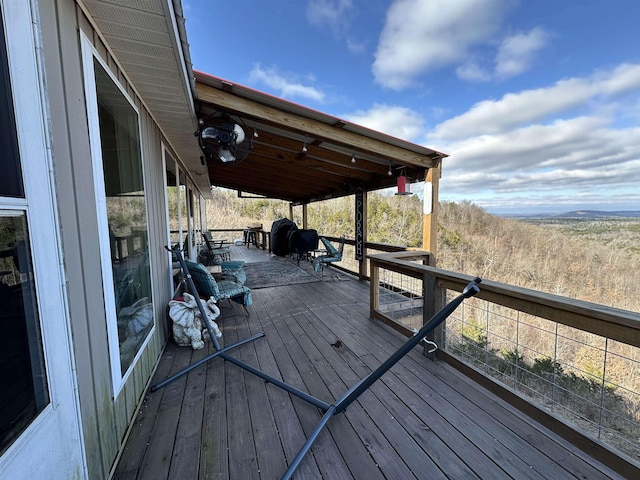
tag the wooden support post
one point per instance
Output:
(291, 212)
(360, 218)
(304, 216)
(374, 289)
(430, 212)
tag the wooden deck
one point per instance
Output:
(423, 419)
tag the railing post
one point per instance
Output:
(361, 227)
(374, 286)
(429, 307)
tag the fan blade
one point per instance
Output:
(226, 155)
(240, 136)
(210, 134)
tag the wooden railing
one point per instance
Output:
(511, 340)
(614, 323)
(350, 265)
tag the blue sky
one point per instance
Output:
(537, 102)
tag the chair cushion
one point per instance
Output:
(235, 274)
(207, 286)
(236, 292)
(203, 280)
(229, 288)
(233, 270)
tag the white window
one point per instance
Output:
(122, 215)
(38, 400)
(24, 390)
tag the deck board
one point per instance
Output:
(422, 419)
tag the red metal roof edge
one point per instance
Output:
(292, 107)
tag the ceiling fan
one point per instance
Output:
(223, 139)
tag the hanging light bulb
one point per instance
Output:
(304, 147)
(255, 133)
(353, 158)
(389, 172)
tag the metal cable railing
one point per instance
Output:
(576, 360)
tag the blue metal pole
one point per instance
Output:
(324, 406)
(307, 445)
(354, 392)
(217, 353)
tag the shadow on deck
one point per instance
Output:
(422, 419)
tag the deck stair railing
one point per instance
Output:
(574, 361)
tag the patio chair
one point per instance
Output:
(207, 286)
(333, 255)
(212, 250)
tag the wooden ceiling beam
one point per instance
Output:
(336, 135)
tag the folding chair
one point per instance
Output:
(333, 255)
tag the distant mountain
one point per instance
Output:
(599, 214)
(583, 214)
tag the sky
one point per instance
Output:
(536, 102)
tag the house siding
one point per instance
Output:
(105, 419)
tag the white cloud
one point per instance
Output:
(332, 14)
(286, 88)
(545, 202)
(400, 122)
(473, 72)
(422, 35)
(515, 56)
(516, 109)
(516, 53)
(578, 143)
(520, 153)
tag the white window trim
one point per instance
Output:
(89, 53)
(31, 116)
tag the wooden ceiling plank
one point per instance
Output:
(266, 178)
(323, 155)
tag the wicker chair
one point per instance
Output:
(207, 286)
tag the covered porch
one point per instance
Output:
(422, 419)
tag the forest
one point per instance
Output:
(596, 261)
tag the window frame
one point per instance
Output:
(89, 55)
(61, 416)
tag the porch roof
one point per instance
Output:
(148, 39)
(277, 166)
